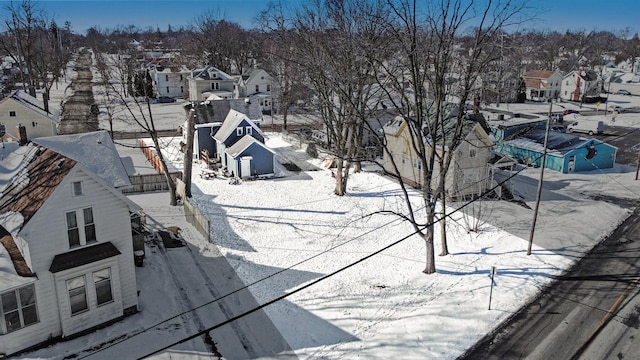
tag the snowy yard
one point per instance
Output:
(284, 234)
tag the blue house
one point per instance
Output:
(240, 147)
(565, 152)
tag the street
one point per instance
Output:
(573, 317)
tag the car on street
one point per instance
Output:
(570, 111)
(588, 127)
(165, 99)
(623, 92)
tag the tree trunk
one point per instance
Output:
(285, 111)
(443, 226)
(188, 155)
(430, 260)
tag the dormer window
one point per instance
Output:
(239, 131)
(248, 130)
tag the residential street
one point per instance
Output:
(568, 317)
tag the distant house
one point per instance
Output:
(468, 174)
(20, 110)
(210, 81)
(241, 149)
(542, 85)
(66, 260)
(169, 79)
(257, 85)
(581, 85)
(565, 153)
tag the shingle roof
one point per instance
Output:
(83, 256)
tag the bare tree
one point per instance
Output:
(138, 107)
(420, 87)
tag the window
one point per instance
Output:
(77, 188)
(102, 281)
(34, 123)
(257, 88)
(72, 229)
(268, 87)
(215, 86)
(89, 226)
(19, 308)
(166, 78)
(181, 89)
(77, 295)
(248, 130)
(167, 90)
(472, 152)
(12, 113)
(239, 131)
(180, 77)
(81, 235)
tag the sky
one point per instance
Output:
(545, 14)
(286, 233)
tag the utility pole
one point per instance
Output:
(544, 157)
(188, 154)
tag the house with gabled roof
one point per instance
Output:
(256, 84)
(169, 79)
(469, 171)
(581, 85)
(26, 117)
(542, 85)
(66, 259)
(211, 81)
(250, 158)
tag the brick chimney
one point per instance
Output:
(22, 134)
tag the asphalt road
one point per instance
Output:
(589, 313)
(626, 139)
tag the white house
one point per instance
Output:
(210, 81)
(257, 85)
(542, 85)
(578, 85)
(66, 260)
(169, 79)
(21, 110)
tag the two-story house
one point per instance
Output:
(257, 85)
(66, 259)
(543, 85)
(468, 174)
(580, 85)
(210, 81)
(169, 79)
(25, 117)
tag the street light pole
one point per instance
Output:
(544, 157)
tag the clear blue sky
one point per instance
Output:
(560, 15)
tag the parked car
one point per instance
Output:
(557, 117)
(570, 111)
(165, 99)
(617, 108)
(587, 127)
(623, 92)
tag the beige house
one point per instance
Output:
(20, 109)
(469, 172)
(211, 82)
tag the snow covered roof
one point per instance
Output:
(233, 119)
(35, 105)
(95, 150)
(242, 144)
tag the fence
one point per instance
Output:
(150, 182)
(193, 215)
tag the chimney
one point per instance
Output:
(22, 134)
(45, 99)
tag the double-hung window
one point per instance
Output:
(77, 295)
(102, 282)
(18, 308)
(78, 234)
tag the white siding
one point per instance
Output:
(35, 124)
(47, 236)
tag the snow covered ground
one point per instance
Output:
(292, 233)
